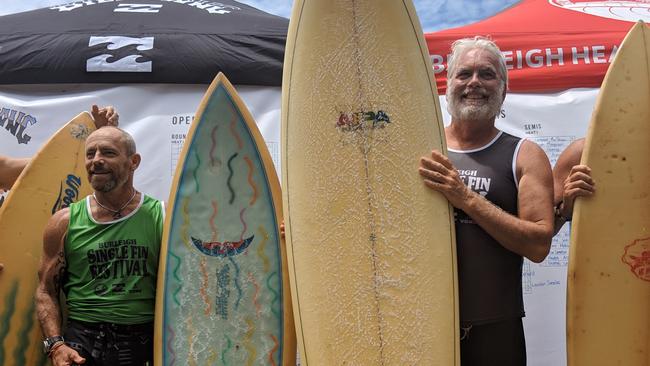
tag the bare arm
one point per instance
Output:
(570, 180)
(10, 169)
(530, 233)
(50, 275)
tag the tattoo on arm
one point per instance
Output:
(61, 269)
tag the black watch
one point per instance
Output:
(558, 212)
(49, 342)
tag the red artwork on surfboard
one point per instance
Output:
(637, 256)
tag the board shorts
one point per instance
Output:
(107, 344)
(501, 343)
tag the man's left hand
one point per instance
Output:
(579, 183)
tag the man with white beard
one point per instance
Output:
(501, 188)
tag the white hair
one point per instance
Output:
(463, 45)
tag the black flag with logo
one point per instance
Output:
(142, 41)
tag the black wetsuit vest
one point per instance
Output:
(489, 275)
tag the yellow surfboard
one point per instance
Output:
(54, 178)
(371, 249)
(608, 300)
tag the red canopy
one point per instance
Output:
(549, 45)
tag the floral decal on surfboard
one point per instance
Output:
(79, 131)
(352, 121)
(637, 256)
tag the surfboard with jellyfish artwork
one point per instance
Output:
(222, 285)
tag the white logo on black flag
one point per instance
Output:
(137, 8)
(118, 61)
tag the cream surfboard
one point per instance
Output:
(608, 304)
(54, 178)
(223, 294)
(371, 249)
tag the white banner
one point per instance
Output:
(158, 116)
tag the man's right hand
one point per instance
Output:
(106, 116)
(440, 174)
(66, 356)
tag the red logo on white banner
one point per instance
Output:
(630, 10)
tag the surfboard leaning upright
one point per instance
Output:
(608, 297)
(54, 178)
(222, 295)
(371, 249)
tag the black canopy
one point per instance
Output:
(144, 41)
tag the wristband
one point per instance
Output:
(50, 342)
(56, 346)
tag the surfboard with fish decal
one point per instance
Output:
(222, 285)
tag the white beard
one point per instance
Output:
(470, 112)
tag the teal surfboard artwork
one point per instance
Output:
(223, 293)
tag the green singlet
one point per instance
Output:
(112, 266)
